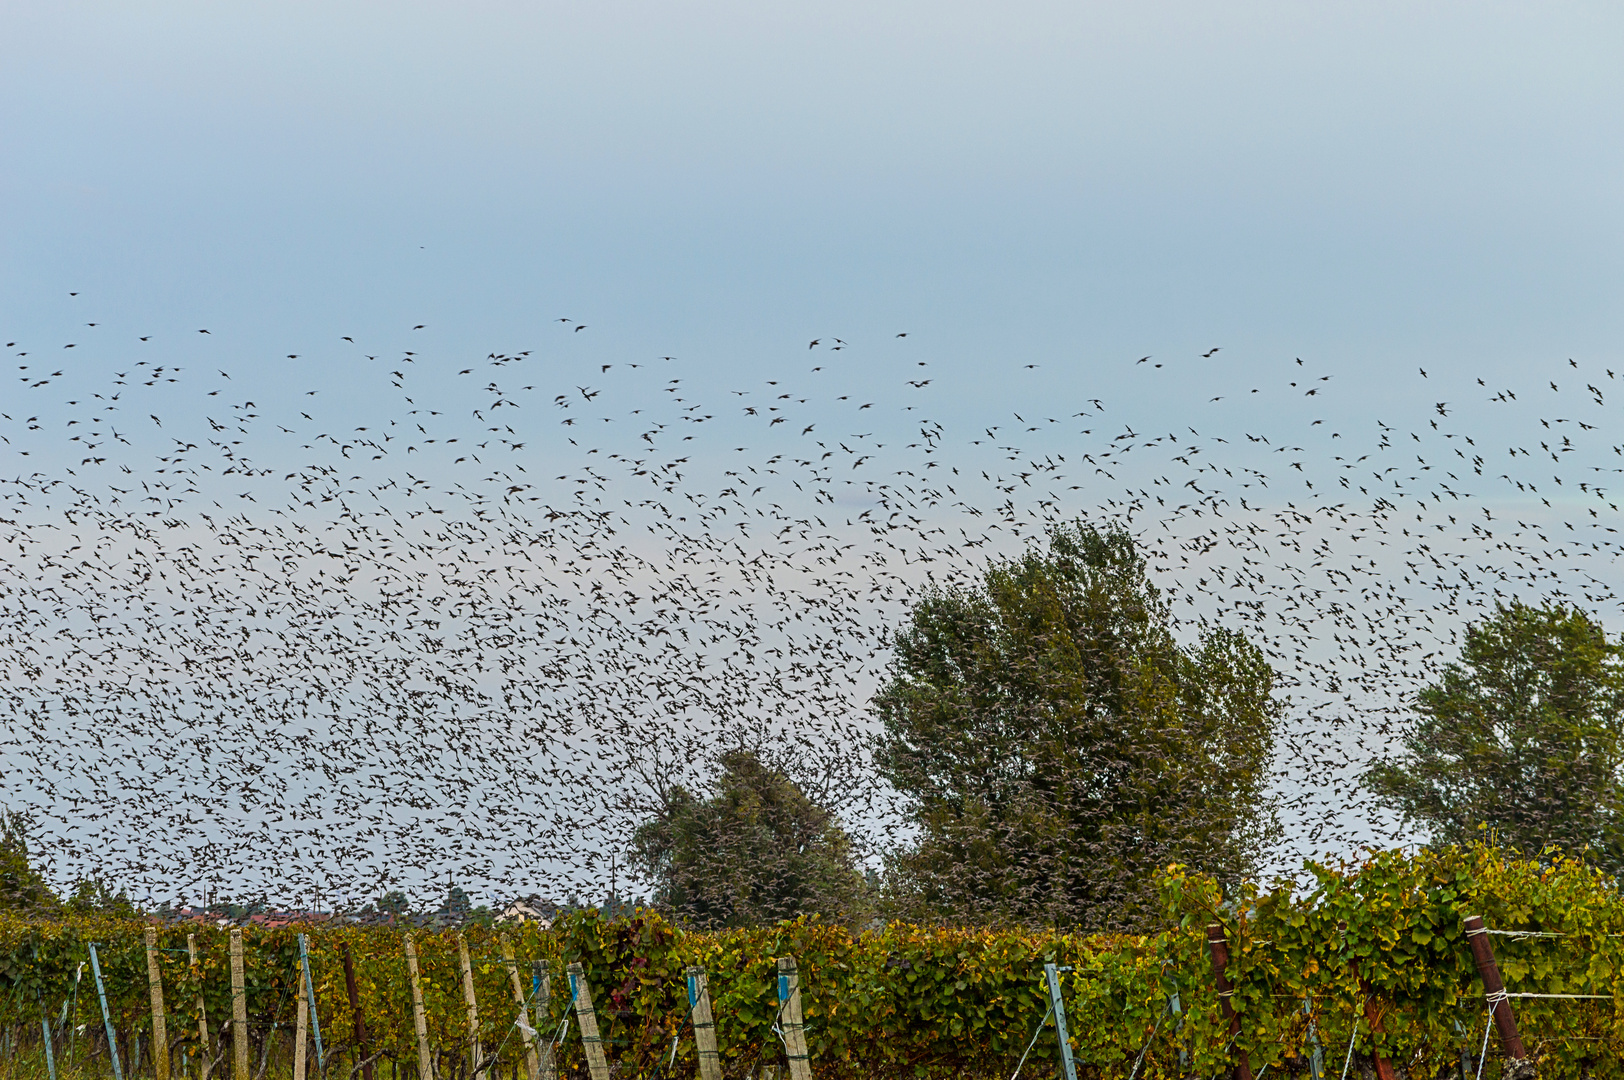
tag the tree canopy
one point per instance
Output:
(22, 887)
(1523, 734)
(1057, 745)
(755, 850)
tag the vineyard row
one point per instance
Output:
(1402, 966)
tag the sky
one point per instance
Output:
(1392, 201)
(1074, 184)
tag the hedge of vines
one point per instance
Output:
(921, 1001)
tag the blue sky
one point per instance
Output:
(1037, 195)
(1071, 184)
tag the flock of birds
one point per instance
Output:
(442, 619)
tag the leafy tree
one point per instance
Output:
(456, 903)
(1057, 745)
(22, 888)
(1524, 735)
(93, 896)
(754, 851)
(394, 903)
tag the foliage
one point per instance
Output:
(937, 1002)
(22, 888)
(756, 851)
(1059, 746)
(94, 896)
(1524, 735)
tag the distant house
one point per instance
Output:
(529, 909)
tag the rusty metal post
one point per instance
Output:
(355, 1006)
(1220, 961)
(1494, 991)
(1373, 1016)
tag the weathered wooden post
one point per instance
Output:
(239, 1009)
(587, 1020)
(301, 1036)
(155, 990)
(699, 1009)
(202, 1014)
(1494, 990)
(1220, 962)
(471, 1002)
(355, 1009)
(532, 1065)
(425, 1066)
(790, 1020)
(541, 989)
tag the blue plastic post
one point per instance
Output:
(107, 1017)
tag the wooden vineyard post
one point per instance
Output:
(425, 1066)
(592, 1042)
(239, 1010)
(1494, 990)
(301, 1037)
(532, 1066)
(1220, 961)
(355, 1009)
(791, 1021)
(473, 1004)
(155, 990)
(541, 988)
(202, 1015)
(699, 1011)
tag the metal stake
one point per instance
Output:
(107, 1017)
(1316, 1056)
(50, 1054)
(310, 992)
(1052, 973)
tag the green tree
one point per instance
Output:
(1524, 735)
(22, 888)
(754, 851)
(1056, 745)
(93, 896)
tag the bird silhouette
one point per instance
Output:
(265, 629)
